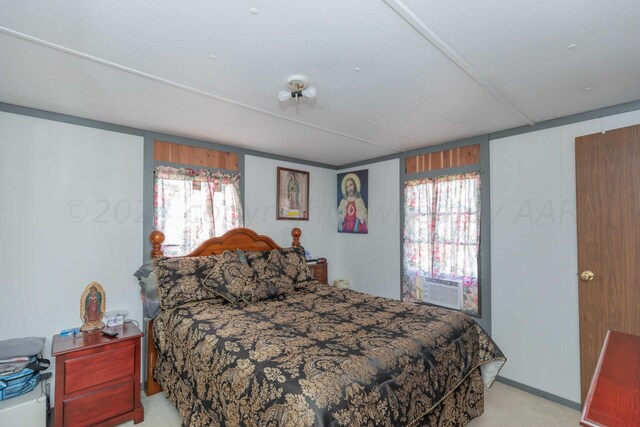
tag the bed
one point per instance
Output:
(315, 356)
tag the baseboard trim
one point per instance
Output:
(552, 397)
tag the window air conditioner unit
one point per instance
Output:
(444, 292)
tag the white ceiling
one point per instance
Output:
(427, 71)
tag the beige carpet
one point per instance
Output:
(504, 406)
(508, 406)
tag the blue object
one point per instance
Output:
(70, 331)
(22, 382)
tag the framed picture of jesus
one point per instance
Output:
(353, 199)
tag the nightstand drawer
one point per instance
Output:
(98, 368)
(109, 402)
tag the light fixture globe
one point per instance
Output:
(309, 92)
(284, 95)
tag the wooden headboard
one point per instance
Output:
(239, 238)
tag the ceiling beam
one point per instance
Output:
(181, 86)
(412, 19)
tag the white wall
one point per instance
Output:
(65, 222)
(371, 262)
(319, 233)
(534, 254)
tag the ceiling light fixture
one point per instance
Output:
(298, 87)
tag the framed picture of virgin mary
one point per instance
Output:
(93, 304)
(293, 195)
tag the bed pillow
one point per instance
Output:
(231, 278)
(296, 256)
(292, 262)
(272, 278)
(148, 290)
(180, 279)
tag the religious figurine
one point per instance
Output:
(92, 307)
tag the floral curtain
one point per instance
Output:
(442, 234)
(192, 206)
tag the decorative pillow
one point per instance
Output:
(180, 279)
(292, 262)
(231, 278)
(273, 280)
(297, 257)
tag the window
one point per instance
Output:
(192, 206)
(442, 238)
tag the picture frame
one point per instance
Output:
(353, 202)
(93, 303)
(292, 198)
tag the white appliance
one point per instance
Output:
(444, 292)
(28, 410)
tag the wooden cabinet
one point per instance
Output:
(613, 398)
(319, 272)
(98, 378)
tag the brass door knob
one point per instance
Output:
(587, 275)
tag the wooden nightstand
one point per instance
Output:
(319, 272)
(98, 378)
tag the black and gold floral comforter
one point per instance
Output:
(319, 356)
